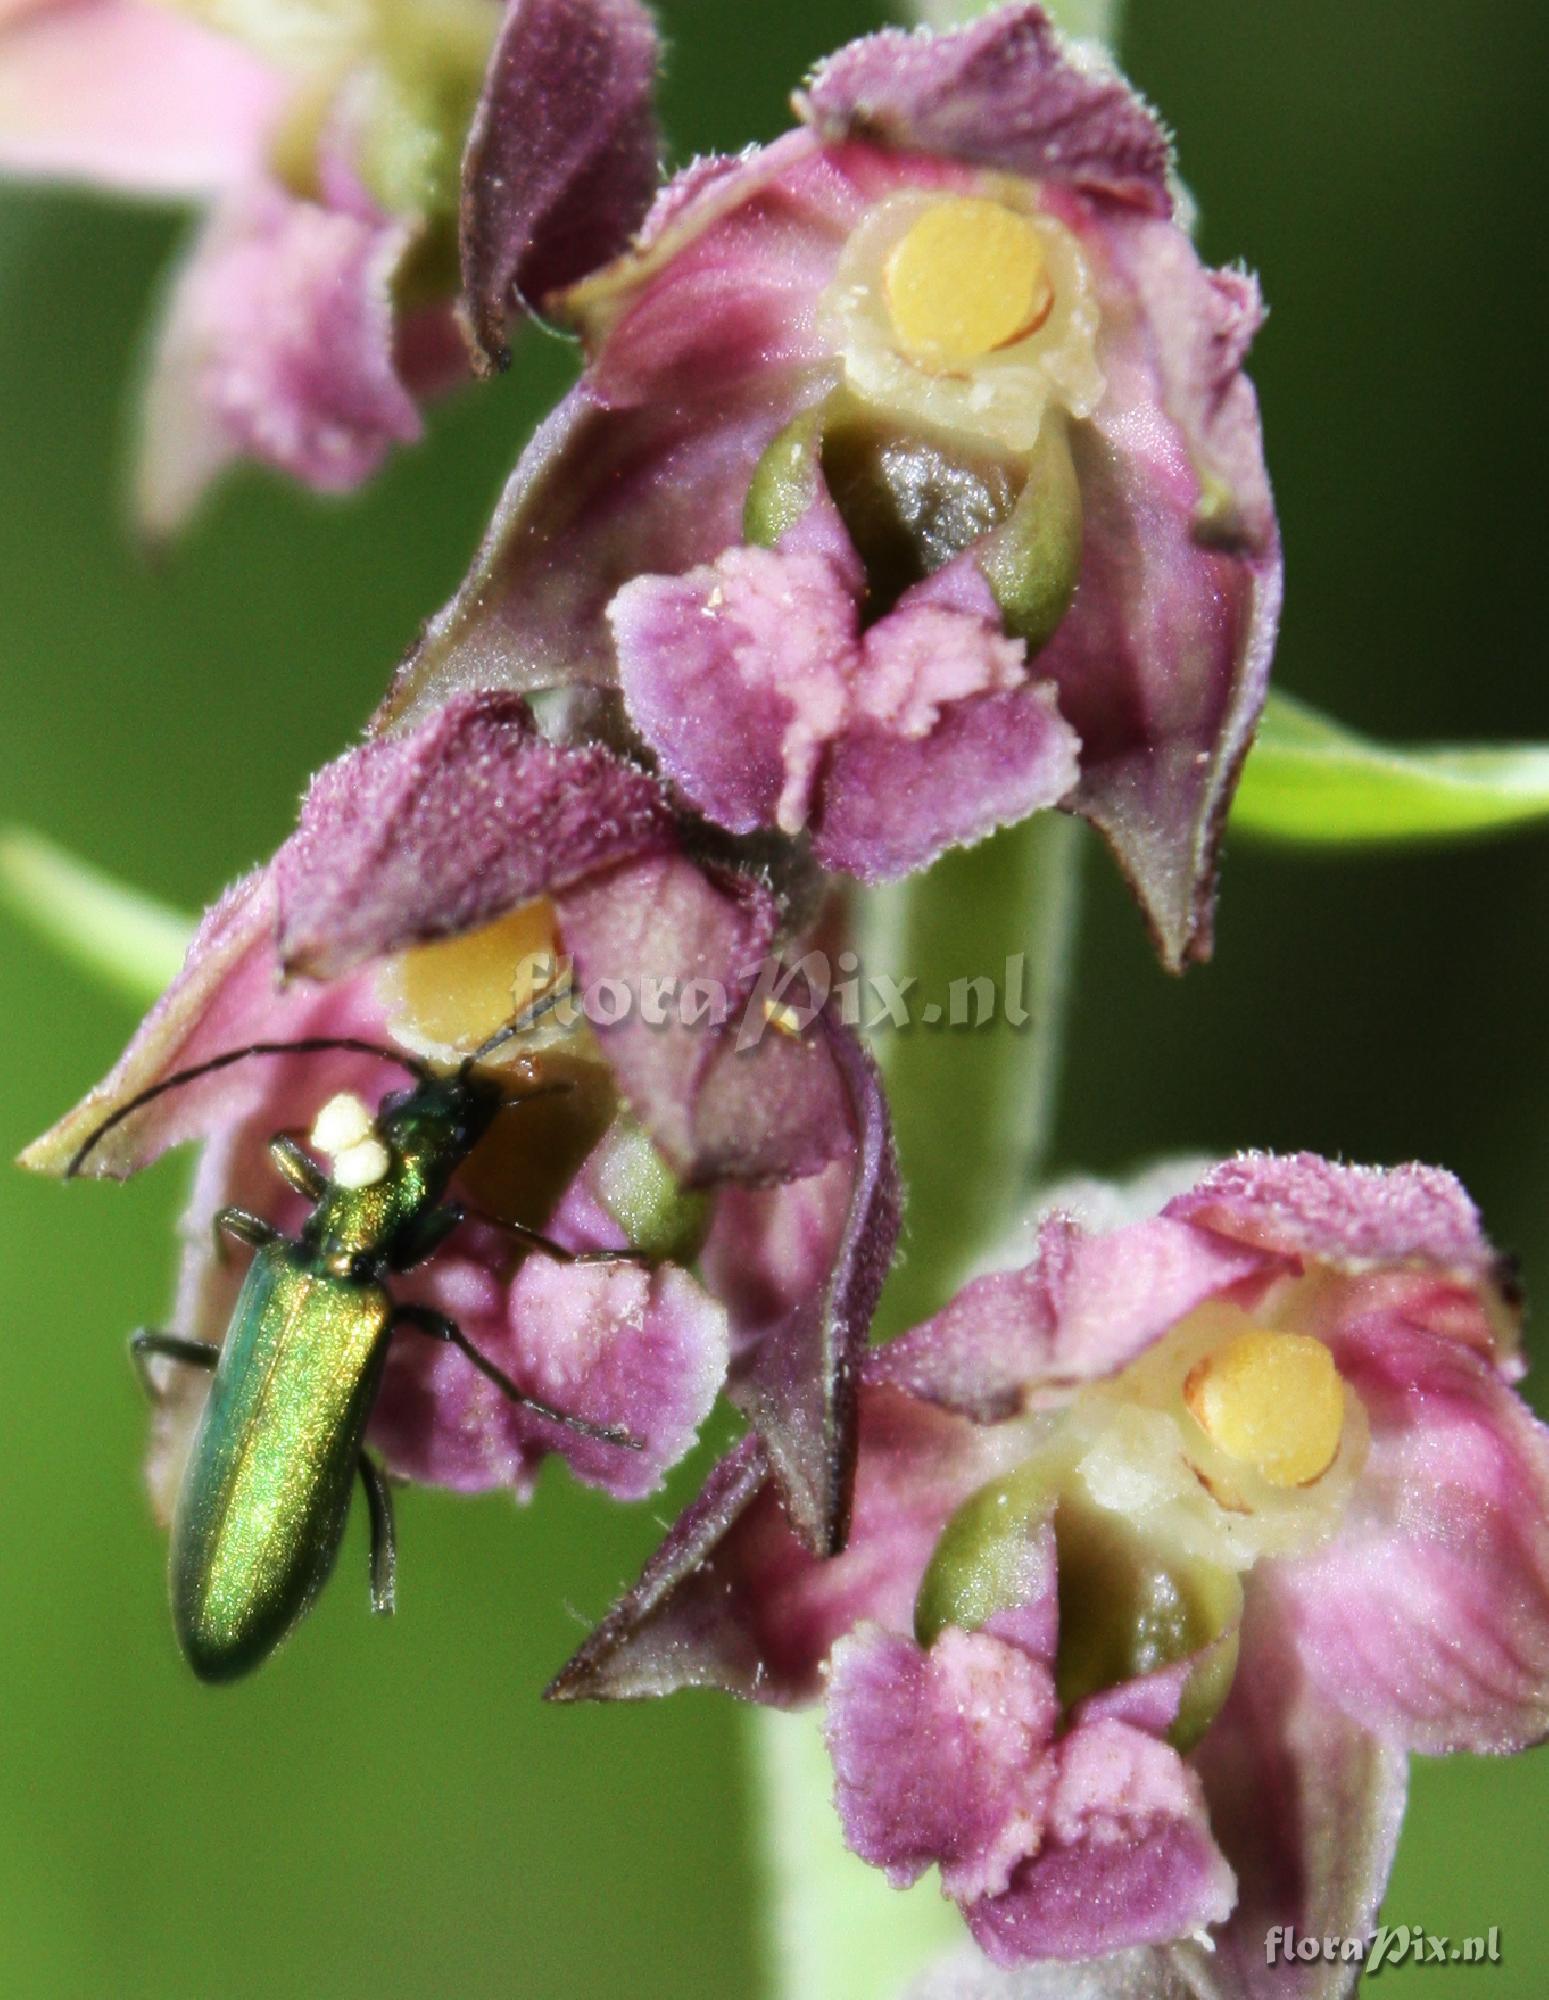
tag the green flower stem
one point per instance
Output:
(126, 941)
(973, 1109)
(989, 928)
(833, 1929)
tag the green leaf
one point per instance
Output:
(981, 946)
(1311, 781)
(127, 941)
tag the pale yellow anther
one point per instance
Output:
(969, 278)
(343, 1122)
(1273, 1401)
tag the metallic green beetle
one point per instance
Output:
(264, 1500)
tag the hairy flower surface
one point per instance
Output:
(350, 154)
(913, 483)
(437, 886)
(1169, 1545)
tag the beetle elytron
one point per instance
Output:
(263, 1503)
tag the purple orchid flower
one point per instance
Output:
(1168, 1546)
(913, 483)
(436, 885)
(348, 160)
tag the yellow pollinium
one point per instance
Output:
(459, 990)
(970, 277)
(1273, 1401)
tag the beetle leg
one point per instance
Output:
(241, 1226)
(296, 1167)
(424, 1237)
(384, 1538)
(423, 1320)
(147, 1345)
(433, 1231)
(534, 1239)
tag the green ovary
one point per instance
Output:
(912, 500)
(1127, 1606)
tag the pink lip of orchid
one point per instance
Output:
(299, 330)
(1378, 1517)
(1104, 646)
(434, 840)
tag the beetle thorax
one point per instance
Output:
(369, 1193)
(391, 1169)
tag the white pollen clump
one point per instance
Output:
(346, 1132)
(343, 1122)
(362, 1165)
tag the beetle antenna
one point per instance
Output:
(559, 1086)
(307, 1045)
(528, 1018)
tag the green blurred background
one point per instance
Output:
(388, 1810)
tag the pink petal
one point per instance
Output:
(1427, 1619)
(1151, 1701)
(1000, 93)
(614, 1344)
(724, 283)
(1162, 662)
(1127, 1858)
(722, 1093)
(993, 751)
(278, 344)
(724, 277)
(132, 96)
(561, 161)
(1306, 1806)
(941, 1756)
(1407, 1240)
(435, 832)
(767, 707)
(738, 676)
(226, 995)
(1083, 1308)
(1354, 1218)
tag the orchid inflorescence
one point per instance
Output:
(911, 487)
